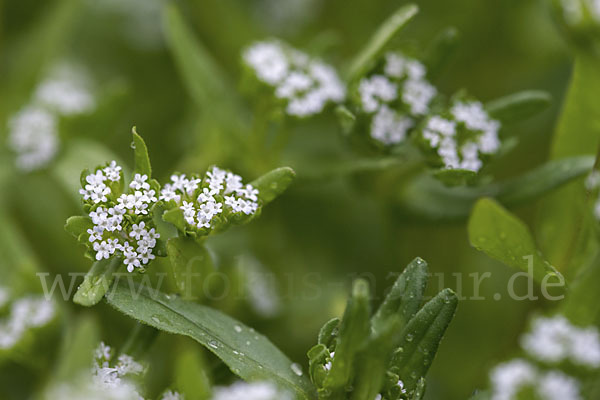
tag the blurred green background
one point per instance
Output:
(322, 233)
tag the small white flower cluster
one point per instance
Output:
(553, 340)
(107, 376)
(251, 391)
(120, 220)
(550, 341)
(25, 314)
(307, 85)
(203, 200)
(592, 183)
(33, 131)
(517, 376)
(464, 139)
(395, 98)
(574, 11)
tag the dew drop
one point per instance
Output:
(155, 319)
(237, 328)
(213, 344)
(132, 145)
(409, 337)
(297, 369)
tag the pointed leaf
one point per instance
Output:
(140, 152)
(274, 183)
(77, 225)
(426, 198)
(97, 282)
(519, 106)
(248, 354)
(380, 39)
(422, 337)
(504, 237)
(354, 330)
(405, 297)
(328, 331)
(373, 361)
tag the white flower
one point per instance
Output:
(398, 66)
(66, 91)
(131, 260)
(25, 313)
(375, 90)
(179, 182)
(307, 85)
(139, 182)
(170, 395)
(389, 127)
(94, 235)
(268, 61)
(251, 391)
(249, 192)
(137, 230)
(417, 94)
(33, 137)
(555, 385)
(553, 340)
(168, 193)
(190, 186)
(102, 250)
(112, 171)
(511, 377)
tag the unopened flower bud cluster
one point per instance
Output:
(463, 137)
(211, 202)
(33, 130)
(395, 98)
(122, 221)
(550, 342)
(306, 85)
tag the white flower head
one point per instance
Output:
(33, 137)
(307, 85)
(66, 90)
(509, 378)
(388, 127)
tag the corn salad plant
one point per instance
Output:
(249, 242)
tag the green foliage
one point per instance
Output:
(389, 353)
(380, 40)
(97, 282)
(502, 236)
(247, 353)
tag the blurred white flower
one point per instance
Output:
(511, 377)
(307, 85)
(25, 313)
(553, 340)
(389, 127)
(66, 90)
(33, 137)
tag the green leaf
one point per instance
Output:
(582, 305)
(419, 392)
(175, 216)
(380, 39)
(440, 51)
(504, 237)
(140, 153)
(202, 76)
(354, 330)
(191, 374)
(248, 354)
(274, 183)
(563, 228)
(97, 282)
(77, 349)
(346, 119)
(455, 177)
(372, 363)
(191, 263)
(421, 338)
(329, 331)
(405, 297)
(426, 198)
(519, 106)
(77, 225)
